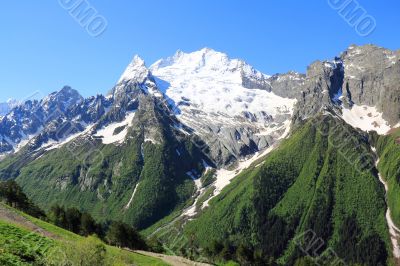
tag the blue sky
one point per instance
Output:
(43, 48)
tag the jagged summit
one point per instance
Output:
(136, 76)
(206, 59)
(64, 98)
(201, 57)
(7, 106)
(136, 71)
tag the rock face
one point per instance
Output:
(322, 84)
(372, 77)
(287, 85)
(33, 118)
(367, 76)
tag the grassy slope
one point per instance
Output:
(389, 167)
(18, 246)
(311, 182)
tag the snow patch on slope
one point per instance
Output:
(107, 133)
(366, 118)
(191, 211)
(51, 145)
(25, 140)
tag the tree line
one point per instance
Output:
(115, 233)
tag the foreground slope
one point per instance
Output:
(25, 240)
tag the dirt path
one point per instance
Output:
(11, 216)
(172, 260)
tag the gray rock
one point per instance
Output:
(365, 75)
(372, 77)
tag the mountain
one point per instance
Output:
(7, 106)
(235, 163)
(33, 119)
(105, 153)
(226, 102)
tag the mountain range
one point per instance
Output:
(238, 164)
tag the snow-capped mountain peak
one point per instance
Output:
(208, 62)
(136, 71)
(203, 60)
(136, 76)
(213, 81)
(219, 95)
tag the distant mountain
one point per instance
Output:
(235, 160)
(7, 106)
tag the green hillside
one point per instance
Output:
(320, 183)
(388, 149)
(51, 245)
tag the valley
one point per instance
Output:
(220, 163)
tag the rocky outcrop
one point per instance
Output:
(288, 85)
(372, 77)
(362, 75)
(323, 83)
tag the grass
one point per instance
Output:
(19, 246)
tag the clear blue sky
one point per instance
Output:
(43, 48)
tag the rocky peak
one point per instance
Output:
(136, 77)
(136, 71)
(63, 99)
(364, 77)
(6, 107)
(288, 85)
(372, 78)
